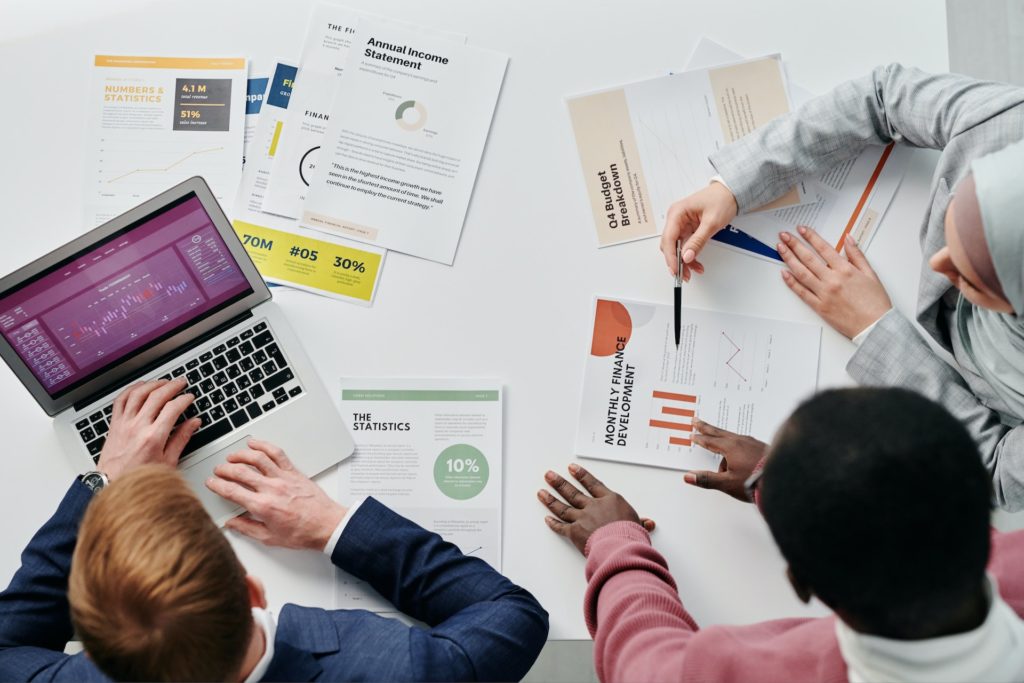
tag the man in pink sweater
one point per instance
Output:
(880, 505)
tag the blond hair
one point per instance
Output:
(156, 591)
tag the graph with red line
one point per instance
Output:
(131, 304)
(736, 351)
(125, 307)
(740, 360)
(672, 417)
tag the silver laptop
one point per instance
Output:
(167, 290)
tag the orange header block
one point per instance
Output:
(170, 62)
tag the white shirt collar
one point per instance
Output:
(264, 619)
(992, 652)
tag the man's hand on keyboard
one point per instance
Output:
(142, 427)
(285, 507)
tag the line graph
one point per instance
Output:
(681, 164)
(129, 306)
(165, 168)
(743, 359)
(736, 352)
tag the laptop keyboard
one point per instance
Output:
(235, 382)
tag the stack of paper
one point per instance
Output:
(372, 142)
(376, 146)
(645, 145)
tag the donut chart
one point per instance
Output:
(413, 121)
(307, 164)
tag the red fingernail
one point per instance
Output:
(690, 478)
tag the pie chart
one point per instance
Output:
(411, 115)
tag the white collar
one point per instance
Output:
(992, 652)
(263, 619)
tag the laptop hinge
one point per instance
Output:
(184, 348)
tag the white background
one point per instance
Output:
(516, 304)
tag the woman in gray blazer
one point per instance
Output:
(971, 294)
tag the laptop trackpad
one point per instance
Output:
(196, 474)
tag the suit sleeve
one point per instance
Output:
(35, 619)
(895, 354)
(892, 104)
(481, 625)
(640, 628)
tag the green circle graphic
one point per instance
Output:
(460, 472)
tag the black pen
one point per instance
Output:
(679, 289)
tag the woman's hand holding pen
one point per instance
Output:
(693, 221)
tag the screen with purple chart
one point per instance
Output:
(88, 313)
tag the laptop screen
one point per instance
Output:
(137, 287)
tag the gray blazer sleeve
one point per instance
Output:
(894, 354)
(892, 104)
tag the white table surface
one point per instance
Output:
(516, 304)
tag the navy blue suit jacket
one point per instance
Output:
(479, 625)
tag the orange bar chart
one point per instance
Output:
(672, 407)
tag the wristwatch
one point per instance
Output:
(95, 480)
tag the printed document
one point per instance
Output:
(431, 451)
(848, 199)
(255, 91)
(285, 253)
(324, 55)
(156, 121)
(645, 145)
(641, 393)
(262, 146)
(398, 170)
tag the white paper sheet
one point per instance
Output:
(156, 121)
(262, 146)
(324, 55)
(644, 145)
(399, 169)
(850, 198)
(256, 90)
(432, 451)
(641, 393)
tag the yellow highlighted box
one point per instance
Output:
(327, 267)
(273, 140)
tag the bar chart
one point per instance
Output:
(672, 414)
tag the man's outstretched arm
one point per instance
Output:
(483, 626)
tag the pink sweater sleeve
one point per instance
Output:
(632, 608)
(1005, 565)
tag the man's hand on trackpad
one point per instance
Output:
(283, 506)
